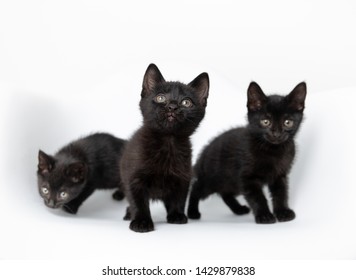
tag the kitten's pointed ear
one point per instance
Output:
(77, 172)
(45, 163)
(255, 97)
(296, 98)
(152, 78)
(201, 86)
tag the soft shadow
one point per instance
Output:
(306, 149)
(32, 123)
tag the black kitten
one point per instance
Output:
(75, 171)
(243, 160)
(156, 163)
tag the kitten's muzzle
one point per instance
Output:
(276, 138)
(276, 134)
(171, 111)
(51, 204)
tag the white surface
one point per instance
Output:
(76, 67)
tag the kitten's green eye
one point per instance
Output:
(45, 190)
(187, 103)
(63, 195)
(265, 123)
(160, 98)
(288, 123)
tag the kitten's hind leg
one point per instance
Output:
(118, 195)
(194, 198)
(127, 216)
(234, 205)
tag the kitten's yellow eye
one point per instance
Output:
(265, 123)
(187, 103)
(288, 123)
(45, 190)
(63, 195)
(160, 98)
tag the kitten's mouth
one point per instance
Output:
(171, 116)
(276, 140)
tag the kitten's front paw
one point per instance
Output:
(141, 225)
(118, 195)
(71, 209)
(242, 210)
(284, 215)
(193, 214)
(265, 218)
(177, 218)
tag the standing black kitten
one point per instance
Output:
(156, 163)
(75, 171)
(243, 160)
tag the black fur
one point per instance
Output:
(69, 177)
(156, 163)
(243, 160)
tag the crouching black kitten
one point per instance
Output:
(69, 177)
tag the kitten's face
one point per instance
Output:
(59, 181)
(173, 107)
(275, 118)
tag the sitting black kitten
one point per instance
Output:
(243, 160)
(156, 162)
(75, 171)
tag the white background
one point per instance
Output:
(68, 68)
